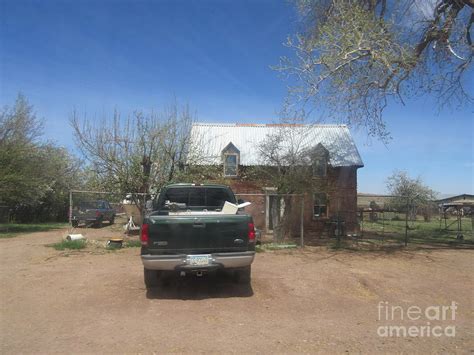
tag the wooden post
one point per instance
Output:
(406, 225)
(70, 207)
(302, 223)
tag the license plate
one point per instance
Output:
(198, 260)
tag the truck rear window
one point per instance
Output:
(197, 197)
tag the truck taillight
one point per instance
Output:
(144, 235)
(97, 213)
(251, 233)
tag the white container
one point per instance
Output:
(71, 237)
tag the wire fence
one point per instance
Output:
(277, 217)
(290, 218)
(98, 208)
(391, 227)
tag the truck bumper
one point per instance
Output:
(218, 261)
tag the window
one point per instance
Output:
(319, 166)
(320, 160)
(230, 164)
(198, 197)
(320, 207)
(231, 159)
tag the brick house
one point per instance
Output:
(232, 148)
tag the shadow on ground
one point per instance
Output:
(192, 287)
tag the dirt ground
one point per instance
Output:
(312, 300)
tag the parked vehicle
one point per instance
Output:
(93, 213)
(188, 232)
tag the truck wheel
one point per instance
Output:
(151, 278)
(112, 220)
(74, 223)
(243, 275)
(98, 222)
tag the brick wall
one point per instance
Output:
(340, 185)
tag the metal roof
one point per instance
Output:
(212, 138)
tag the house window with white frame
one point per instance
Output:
(320, 208)
(230, 160)
(230, 164)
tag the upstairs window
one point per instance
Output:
(230, 160)
(320, 160)
(320, 208)
(319, 166)
(230, 165)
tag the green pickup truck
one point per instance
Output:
(189, 233)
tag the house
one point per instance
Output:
(464, 199)
(233, 149)
(459, 204)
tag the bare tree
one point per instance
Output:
(137, 153)
(287, 166)
(353, 56)
(409, 193)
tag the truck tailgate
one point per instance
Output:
(198, 234)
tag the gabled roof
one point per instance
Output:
(214, 137)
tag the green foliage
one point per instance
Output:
(133, 244)
(10, 230)
(278, 246)
(69, 244)
(35, 176)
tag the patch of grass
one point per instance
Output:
(10, 230)
(278, 246)
(133, 244)
(69, 244)
(421, 232)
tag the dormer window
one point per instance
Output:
(230, 159)
(319, 166)
(320, 160)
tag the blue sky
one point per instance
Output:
(214, 55)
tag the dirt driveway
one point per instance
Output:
(299, 301)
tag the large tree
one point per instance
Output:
(352, 57)
(35, 175)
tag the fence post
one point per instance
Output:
(406, 224)
(70, 207)
(302, 223)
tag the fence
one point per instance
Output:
(389, 227)
(277, 217)
(92, 208)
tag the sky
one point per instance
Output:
(95, 56)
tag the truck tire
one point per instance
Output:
(243, 275)
(98, 222)
(74, 223)
(112, 220)
(151, 278)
